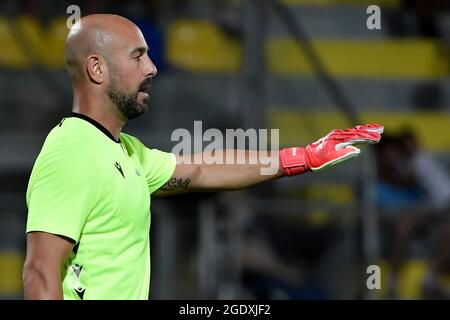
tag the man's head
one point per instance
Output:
(107, 55)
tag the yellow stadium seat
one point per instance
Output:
(412, 276)
(57, 33)
(42, 46)
(11, 53)
(48, 43)
(201, 46)
(410, 279)
(370, 59)
(11, 264)
(31, 32)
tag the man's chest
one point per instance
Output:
(124, 194)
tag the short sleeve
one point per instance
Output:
(159, 167)
(61, 190)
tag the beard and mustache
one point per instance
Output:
(127, 103)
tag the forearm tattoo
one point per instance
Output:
(175, 184)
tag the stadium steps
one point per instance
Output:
(200, 46)
(306, 94)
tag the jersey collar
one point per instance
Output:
(96, 124)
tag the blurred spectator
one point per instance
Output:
(426, 13)
(227, 18)
(267, 276)
(418, 17)
(398, 185)
(413, 190)
(282, 269)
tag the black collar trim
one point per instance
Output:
(96, 124)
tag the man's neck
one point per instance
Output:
(112, 124)
(108, 120)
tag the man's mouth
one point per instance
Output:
(145, 87)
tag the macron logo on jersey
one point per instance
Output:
(118, 167)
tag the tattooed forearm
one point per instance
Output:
(175, 183)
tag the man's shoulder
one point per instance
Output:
(128, 138)
(62, 144)
(136, 146)
(131, 143)
(62, 140)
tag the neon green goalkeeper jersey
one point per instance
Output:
(96, 191)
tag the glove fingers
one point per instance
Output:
(355, 137)
(361, 134)
(370, 127)
(345, 144)
(378, 128)
(351, 134)
(365, 137)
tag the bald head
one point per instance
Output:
(106, 58)
(98, 34)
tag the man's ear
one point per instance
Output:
(96, 68)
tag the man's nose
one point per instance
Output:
(151, 71)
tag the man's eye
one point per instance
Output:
(138, 58)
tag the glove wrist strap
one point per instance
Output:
(293, 161)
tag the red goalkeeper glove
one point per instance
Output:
(334, 148)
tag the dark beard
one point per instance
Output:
(127, 104)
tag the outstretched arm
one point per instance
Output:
(219, 177)
(252, 167)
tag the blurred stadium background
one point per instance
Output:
(303, 66)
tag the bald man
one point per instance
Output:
(89, 192)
